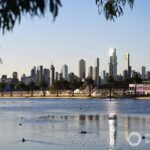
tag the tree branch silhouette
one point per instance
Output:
(12, 11)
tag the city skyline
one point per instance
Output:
(86, 68)
(77, 35)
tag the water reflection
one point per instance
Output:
(112, 123)
(107, 131)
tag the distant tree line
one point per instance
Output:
(70, 86)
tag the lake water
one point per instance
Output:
(74, 124)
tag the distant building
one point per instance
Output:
(72, 76)
(90, 72)
(141, 89)
(148, 75)
(52, 75)
(135, 74)
(14, 78)
(128, 67)
(60, 77)
(56, 76)
(65, 72)
(143, 72)
(33, 74)
(47, 76)
(113, 64)
(15, 75)
(125, 74)
(82, 70)
(26, 80)
(104, 77)
(4, 78)
(39, 74)
(97, 73)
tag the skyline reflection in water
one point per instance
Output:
(44, 128)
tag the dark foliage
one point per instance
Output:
(12, 10)
(113, 8)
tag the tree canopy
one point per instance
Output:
(12, 10)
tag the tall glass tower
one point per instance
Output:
(113, 63)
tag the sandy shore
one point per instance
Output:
(67, 96)
(143, 97)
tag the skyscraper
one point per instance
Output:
(113, 64)
(39, 74)
(52, 75)
(143, 72)
(33, 74)
(104, 77)
(90, 73)
(56, 76)
(47, 76)
(127, 65)
(82, 70)
(94, 74)
(97, 72)
(65, 72)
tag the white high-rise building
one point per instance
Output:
(82, 70)
(113, 64)
(65, 72)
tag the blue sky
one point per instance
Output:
(78, 32)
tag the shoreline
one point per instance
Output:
(55, 97)
(76, 97)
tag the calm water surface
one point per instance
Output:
(74, 124)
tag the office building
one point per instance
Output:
(97, 73)
(90, 73)
(39, 74)
(60, 77)
(113, 64)
(143, 72)
(127, 65)
(104, 77)
(52, 75)
(148, 75)
(47, 76)
(56, 76)
(14, 79)
(125, 74)
(33, 74)
(82, 70)
(65, 72)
